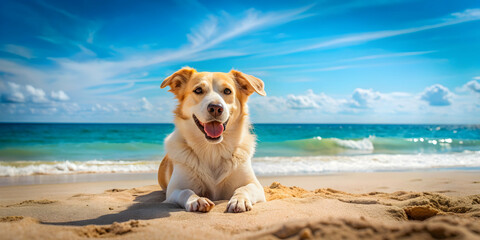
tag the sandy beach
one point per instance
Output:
(360, 119)
(381, 205)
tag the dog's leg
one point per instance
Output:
(165, 172)
(180, 191)
(190, 201)
(244, 197)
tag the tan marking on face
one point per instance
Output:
(184, 82)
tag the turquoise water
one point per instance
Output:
(96, 147)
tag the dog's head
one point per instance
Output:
(209, 102)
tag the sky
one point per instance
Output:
(357, 61)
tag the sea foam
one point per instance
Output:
(24, 168)
(265, 166)
(271, 166)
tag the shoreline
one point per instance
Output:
(80, 177)
(452, 182)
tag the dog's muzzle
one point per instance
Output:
(213, 130)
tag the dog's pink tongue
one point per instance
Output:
(213, 129)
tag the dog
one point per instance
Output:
(208, 155)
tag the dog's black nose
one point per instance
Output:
(215, 109)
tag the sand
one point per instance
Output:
(390, 205)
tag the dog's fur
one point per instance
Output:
(198, 169)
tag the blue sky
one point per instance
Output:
(321, 61)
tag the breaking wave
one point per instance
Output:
(372, 145)
(25, 168)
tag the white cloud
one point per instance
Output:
(37, 95)
(301, 102)
(270, 104)
(360, 99)
(59, 96)
(12, 94)
(311, 100)
(15, 97)
(16, 93)
(18, 50)
(104, 108)
(308, 101)
(437, 95)
(138, 106)
(43, 111)
(473, 85)
(322, 107)
(363, 98)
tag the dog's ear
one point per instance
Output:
(248, 83)
(178, 80)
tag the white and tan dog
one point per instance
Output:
(209, 153)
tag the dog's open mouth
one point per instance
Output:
(213, 130)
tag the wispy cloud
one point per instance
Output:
(91, 36)
(213, 31)
(72, 34)
(334, 68)
(108, 76)
(20, 73)
(454, 18)
(59, 10)
(219, 29)
(320, 66)
(390, 55)
(332, 7)
(18, 50)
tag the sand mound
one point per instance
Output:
(32, 202)
(435, 228)
(11, 218)
(114, 229)
(415, 205)
(278, 191)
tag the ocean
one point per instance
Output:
(282, 149)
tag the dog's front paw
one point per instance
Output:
(201, 204)
(238, 204)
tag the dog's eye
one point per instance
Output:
(227, 91)
(198, 90)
